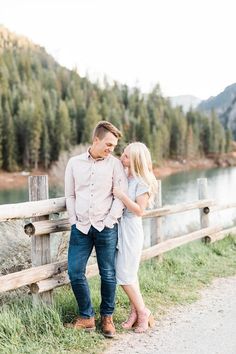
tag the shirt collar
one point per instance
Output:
(89, 156)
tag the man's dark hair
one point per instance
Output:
(103, 127)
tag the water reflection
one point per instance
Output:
(10, 196)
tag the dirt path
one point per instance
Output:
(207, 326)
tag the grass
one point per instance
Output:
(24, 329)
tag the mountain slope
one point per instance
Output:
(219, 103)
(186, 101)
(224, 105)
(11, 40)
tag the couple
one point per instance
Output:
(97, 192)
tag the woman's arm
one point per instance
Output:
(136, 207)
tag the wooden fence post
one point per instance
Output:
(204, 212)
(157, 232)
(40, 245)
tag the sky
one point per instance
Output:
(186, 46)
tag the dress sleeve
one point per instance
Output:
(141, 188)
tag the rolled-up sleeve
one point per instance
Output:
(70, 193)
(119, 180)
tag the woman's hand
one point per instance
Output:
(117, 192)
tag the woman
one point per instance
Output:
(136, 159)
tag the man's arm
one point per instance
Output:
(70, 193)
(119, 180)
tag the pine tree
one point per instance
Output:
(35, 134)
(156, 146)
(62, 129)
(165, 146)
(9, 161)
(23, 132)
(205, 135)
(228, 140)
(72, 111)
(143, 126)
(125, 96)
(91, 119)
(190, 146)
(217, 135)
(45, 147)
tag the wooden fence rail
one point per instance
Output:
(43, 278)
(32, 209)
(51, 226)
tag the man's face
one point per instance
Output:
(105, 146)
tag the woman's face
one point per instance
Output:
(125, 157)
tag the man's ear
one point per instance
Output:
(95, 139)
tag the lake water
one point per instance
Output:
(178, 188)
(183, 187)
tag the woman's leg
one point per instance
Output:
(136, 303)
(134, 295)
(142, 315)
(132, 319)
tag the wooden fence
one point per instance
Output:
(44, 276)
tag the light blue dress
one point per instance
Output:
(130, 238)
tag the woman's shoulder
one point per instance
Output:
(140, 180)
(141, 186)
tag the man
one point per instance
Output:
(93, 213)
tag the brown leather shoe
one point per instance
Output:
(88, 324)
(108, 328)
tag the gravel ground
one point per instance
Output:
(207, 326)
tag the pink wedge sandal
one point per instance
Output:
(132, 320)
(145, 320)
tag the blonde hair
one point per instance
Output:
(141, 166)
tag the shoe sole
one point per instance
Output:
(109, 335)
(89, 329)
(86, 329)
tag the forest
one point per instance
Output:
(46, 108)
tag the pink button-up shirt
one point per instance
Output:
(88, 191)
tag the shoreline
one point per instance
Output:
(170, 167)
(16, 180)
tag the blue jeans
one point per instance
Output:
(80, 248)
